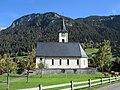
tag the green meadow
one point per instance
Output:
(19, 82)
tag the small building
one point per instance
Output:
(62, 54)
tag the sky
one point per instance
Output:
(14, 9)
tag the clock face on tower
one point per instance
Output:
(63, 34)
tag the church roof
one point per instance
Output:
(59, 49)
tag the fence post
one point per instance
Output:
(109, 79)
(71, 86)
(116, 78)
(89, 82)
(40, 87)
(8, 81)
(101, 81)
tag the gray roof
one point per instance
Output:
(59, 49)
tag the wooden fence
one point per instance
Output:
(78, 85)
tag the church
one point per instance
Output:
(62, 54)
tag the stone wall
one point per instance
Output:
(67, 71)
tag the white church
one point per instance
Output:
(62, 54)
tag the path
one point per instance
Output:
(111, 87)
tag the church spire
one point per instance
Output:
(63, 25)
(63, 33)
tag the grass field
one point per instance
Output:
(90, 51)
(47, 80)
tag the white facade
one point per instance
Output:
(63, 37)
(63, 63)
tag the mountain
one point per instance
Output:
(1, 28)
(24, 32)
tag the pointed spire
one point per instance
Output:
(63, 25)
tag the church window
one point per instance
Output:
(67, 61)
(40, 59)
(60, 62)
(77, 61)
(52, 61)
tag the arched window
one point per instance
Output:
(68, 62)
(60, 62)
(52, 61)
(77, 61)
(40, 59)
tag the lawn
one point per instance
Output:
(90, 51)
(47, 80)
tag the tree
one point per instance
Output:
(20, 66)
(30, 63)
(42, 66)
(103, 58)
(8, 66)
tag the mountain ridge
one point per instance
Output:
(24, 32)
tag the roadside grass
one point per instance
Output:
(47, 80)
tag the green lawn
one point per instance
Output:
(47, 80)
(90, 51)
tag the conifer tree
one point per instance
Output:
(103, 58)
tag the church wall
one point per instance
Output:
(67, 71)
(83, 62)
(38, 60)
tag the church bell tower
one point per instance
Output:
(63, 33)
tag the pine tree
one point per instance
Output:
(103, 58)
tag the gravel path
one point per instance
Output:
(111, 87)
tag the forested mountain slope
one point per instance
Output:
(24, 32)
